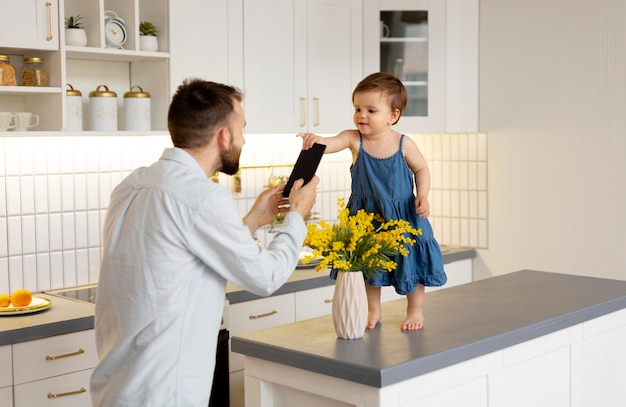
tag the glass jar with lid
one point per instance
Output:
(7, 72)
(34, 73)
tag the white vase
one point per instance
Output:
(349, 307)
(75, 36)
(148, 43)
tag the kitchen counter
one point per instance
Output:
(67, 315)
(308, 278)
(63, 316)
(462, 323)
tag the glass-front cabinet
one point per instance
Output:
(421, 42)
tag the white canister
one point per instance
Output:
(137, 113)
(103, 109)
(74, 100)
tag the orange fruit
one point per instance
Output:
(21, 298)
(5, 300)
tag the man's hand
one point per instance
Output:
(267, 205)
(302, 198)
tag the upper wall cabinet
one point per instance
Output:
(302, 60)
(85, 67)
(432, 46)
(206, 41)
(29, 24)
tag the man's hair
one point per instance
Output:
(198, 109)
(391, 87)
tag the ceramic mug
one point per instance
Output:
(8, 121)
(26, 120)
(384, 30)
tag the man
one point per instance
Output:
(172, 238)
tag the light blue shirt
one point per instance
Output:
(172, 238)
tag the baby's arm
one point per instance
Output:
(340, 142)
(419, 166)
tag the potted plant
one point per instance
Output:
(356, 246)
(74, 32)
(148, 36)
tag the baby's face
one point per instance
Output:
(372, 112)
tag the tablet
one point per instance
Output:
(305, 166)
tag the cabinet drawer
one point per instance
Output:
(314, 303)
(69, 390)
(6, 374)
(6, 395)
(53, 356)
(260, 314)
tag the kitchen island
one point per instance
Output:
(525, 338)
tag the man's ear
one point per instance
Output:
(223, 138)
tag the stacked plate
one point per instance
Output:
(310, 264)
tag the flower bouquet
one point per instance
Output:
(362, 242)
(357, 245)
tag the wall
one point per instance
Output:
(54, 192)
(553, 99)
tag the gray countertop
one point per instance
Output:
(63, 316)
(461, 323)
(308, 278)
(67, 315)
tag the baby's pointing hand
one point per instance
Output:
(308, 139)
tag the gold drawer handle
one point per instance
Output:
(328, 300)
(267, 314)
(78, 352)
(69, 393)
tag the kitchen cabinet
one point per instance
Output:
(314, 303)
(432, 45)
(251, 316)
(6, 375)
(206, 43)
(85, 68)
(301, 59)
(29, 24)
(56, 368)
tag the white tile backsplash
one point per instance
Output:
(54, 192)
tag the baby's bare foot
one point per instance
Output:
(373, 316)
(414, 321)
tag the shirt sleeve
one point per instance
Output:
(224, 244)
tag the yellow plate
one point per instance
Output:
(36, 305)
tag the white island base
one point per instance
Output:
(582, 365)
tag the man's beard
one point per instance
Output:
(230, 160)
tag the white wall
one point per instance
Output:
(553, 101)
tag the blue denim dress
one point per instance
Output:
(385, 186)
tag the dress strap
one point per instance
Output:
(401, 139)
(360, 140)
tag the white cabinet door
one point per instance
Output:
(335, 63)
(6, 395)
(29, 24)
(206, 43)
(301, 62)
(6, 374)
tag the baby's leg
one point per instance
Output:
(414, 315)
(373, 306)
